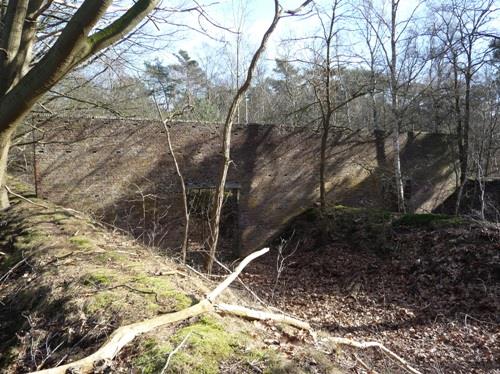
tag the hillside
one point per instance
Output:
(66, 283)
(427, 286)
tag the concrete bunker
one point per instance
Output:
(273, 176)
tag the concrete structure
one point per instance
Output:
(121, 171)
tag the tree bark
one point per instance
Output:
(226, 146)
(5, 139)
(20, 91)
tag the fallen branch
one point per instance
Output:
(384, 349)
(174, 352)
(231, 277)
(364, 365)
(24, 198)
(242, 311)
(125, 334)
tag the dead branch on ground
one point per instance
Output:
(171, 354)
(24, 198)
(384, 349)
(125, 334)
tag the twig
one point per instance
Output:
(4, 277)
(174, 352)
(365, 345)
(125, 334)
(49, 355)
(362, 363)
(24, 198)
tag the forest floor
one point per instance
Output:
(67, 283)
(427, 287)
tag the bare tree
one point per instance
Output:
(228, 124)
(325, 77)
(404, 65)
(369, 31)
(166, 123)
(465, 37)
(28, 69)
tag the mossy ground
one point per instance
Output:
(213, 345)
(366, 228)
(207, 344)
(428, 220)
(68, 283)
(74, 276)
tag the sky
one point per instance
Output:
(258, 15)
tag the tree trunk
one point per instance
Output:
(395, 112)
(219, 197)
(5, 139)
(322, 166)
(226, 146)
(397, 170)
(465, 157)
(380, 149)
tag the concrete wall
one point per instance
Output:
(114, 168)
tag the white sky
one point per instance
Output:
(258, 15)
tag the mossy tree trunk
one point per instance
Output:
(23, 81)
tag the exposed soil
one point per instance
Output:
(431, 294)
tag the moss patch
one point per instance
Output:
(164, 291)
(153, 357)
(99, 279)
(110, 256)
(103, 301)
(207, 347)
(428, 220)
(81, 242)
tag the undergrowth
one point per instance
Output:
(365, 228)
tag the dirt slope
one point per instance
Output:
(66, 283)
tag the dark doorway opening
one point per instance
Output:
(200, 198)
